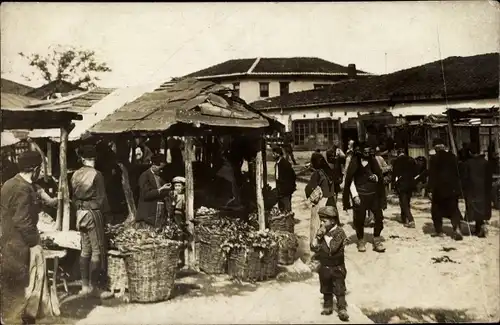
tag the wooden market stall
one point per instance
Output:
(192, 108)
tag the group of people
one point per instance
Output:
(22, 200)
(362, 176)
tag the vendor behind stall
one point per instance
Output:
(153, 192)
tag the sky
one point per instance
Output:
(151, 42)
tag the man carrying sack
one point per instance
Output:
(89, 198)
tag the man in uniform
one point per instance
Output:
(19, 236)
(89, 198)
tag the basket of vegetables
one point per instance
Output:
(212, 258)
(150, 261)
(281, 221)
(287, 247)
(253, 256)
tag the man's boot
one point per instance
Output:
(361, 245)
(327, 305)
(342, 309)
(457, 234)
(377, 245)
(85, 275)
(482, 232)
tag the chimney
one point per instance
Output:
(351, 71)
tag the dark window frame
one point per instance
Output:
(264, 93)
(236, 89)
(284, 88)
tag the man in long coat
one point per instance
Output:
(285, 180)
(444, 187)
(19, 235)
(478, 180)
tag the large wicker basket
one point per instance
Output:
(247, 265)
(284, 222)
(287, 247)
(151, 272)
(212, 258)
(117, 273)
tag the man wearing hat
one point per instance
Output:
(444, 187)
(153, 191)
(285, 180)
(19, 235)
(90, 201)
(329, 244)
(403, 178)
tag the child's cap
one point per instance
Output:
(328, 212)
(179, 179)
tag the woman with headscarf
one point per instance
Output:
(320, 190)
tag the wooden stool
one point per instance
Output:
(55, 255)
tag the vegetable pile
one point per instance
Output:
(204, 211)
(126, 238)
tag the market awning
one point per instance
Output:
(8, 139)
(189, 102)
(36, 118)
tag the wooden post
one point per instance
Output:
(450, 134)
(341, 144)
(49, 158)
(361, 129)
(188, 165)
(264, 160)
(63, 212)
(129, 195)
(259, 185)
(427, 144)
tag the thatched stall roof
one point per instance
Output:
(471, 112)
(36, 118)
(13, 100)
(93, 105)
(189, 103)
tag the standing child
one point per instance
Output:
(329, 244)
(179, 209)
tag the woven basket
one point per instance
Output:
(248, 266)
(212, 258)
(151, 272)
(284, 222)
(287, 248)
(117, 273)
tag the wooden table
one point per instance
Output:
(55, 255)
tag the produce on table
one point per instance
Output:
(48, 243)
(204, 211)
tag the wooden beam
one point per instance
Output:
(63, 211)
(189, 255)
(49, 158)
(258, 186)
(129, 195)
(450, 135)
(264, 160)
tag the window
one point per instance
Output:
(284, 88)
(320, 86)
(236, 89)
(264, 89)
(315, 132)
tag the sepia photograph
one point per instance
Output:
(250, 162)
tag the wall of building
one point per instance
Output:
(250, 88)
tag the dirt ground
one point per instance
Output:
(402, 285)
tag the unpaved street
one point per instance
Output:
(405, 276)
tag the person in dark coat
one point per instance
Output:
(323, 178)
(478, 180)
(336, 159)
(19, 235)
(403, 177)
(286, 180)
(288, 147)
(153, 192)
(329, 244)
(444, 188)
(364, 184)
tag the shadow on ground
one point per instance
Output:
(417, 315)
(428, 229)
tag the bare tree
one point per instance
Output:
(74, 65)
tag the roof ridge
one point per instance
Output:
(257, 60)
